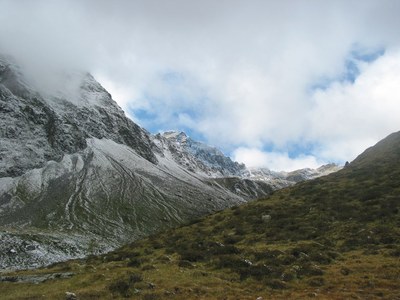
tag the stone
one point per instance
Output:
(70, 296)
(266, 218)
(312, 295)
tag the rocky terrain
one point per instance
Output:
(78, 177)
(76, 172)
(279, 180)
(334, 237)
(209, 161)
(198, 157)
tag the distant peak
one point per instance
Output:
(173, 134)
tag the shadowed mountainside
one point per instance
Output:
(335, 237)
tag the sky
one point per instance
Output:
(277, 84)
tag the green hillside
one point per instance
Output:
(336, 237)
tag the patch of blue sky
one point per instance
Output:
(351, 71)
(296, 150)
(184, 112)
(367, 55)
(191, 116)
(155, 123)
(143, 114)
(293, 149)
(195, 135)
(146, 119)
(351, 67)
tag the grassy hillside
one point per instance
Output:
(336, 237)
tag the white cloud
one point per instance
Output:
(276, 161)
(346, 118)
(118, 91)
(246, 67)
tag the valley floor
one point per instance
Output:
(355, 275)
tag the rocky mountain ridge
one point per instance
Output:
(59, 123)
(283, 179)
(79, 177)
(73, 165)
(209, 161)
(198, 157)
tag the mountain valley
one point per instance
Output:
(78, 177)
(334, 237)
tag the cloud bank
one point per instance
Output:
(281, 84)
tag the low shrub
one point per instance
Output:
(134, 263)
(185, 264)
(135, 277)
(231, 262)
(316, 281)
(192, 255)
(120, 287)
(151, 297)
(148, 268)
(257, 272)
(229, 240)
(276, 284)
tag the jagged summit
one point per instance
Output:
(38, 127)
(197, 156)
(202, 158)
(175, 135)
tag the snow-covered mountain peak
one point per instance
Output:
(207, 160)
(176, 136)
(12, 77)
(74, 86)
(79, 88)
(282, 179)
(58, 120)
(196, 156)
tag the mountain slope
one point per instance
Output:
(335, 237)
(72, 165)
(78, 177)
(106, 194)
(57, 123)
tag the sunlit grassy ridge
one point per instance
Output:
(336, 237)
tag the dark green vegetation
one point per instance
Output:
(336, 237)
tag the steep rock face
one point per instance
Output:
(58, 123)
(206, 160)
(73, 165)
(198, 157)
